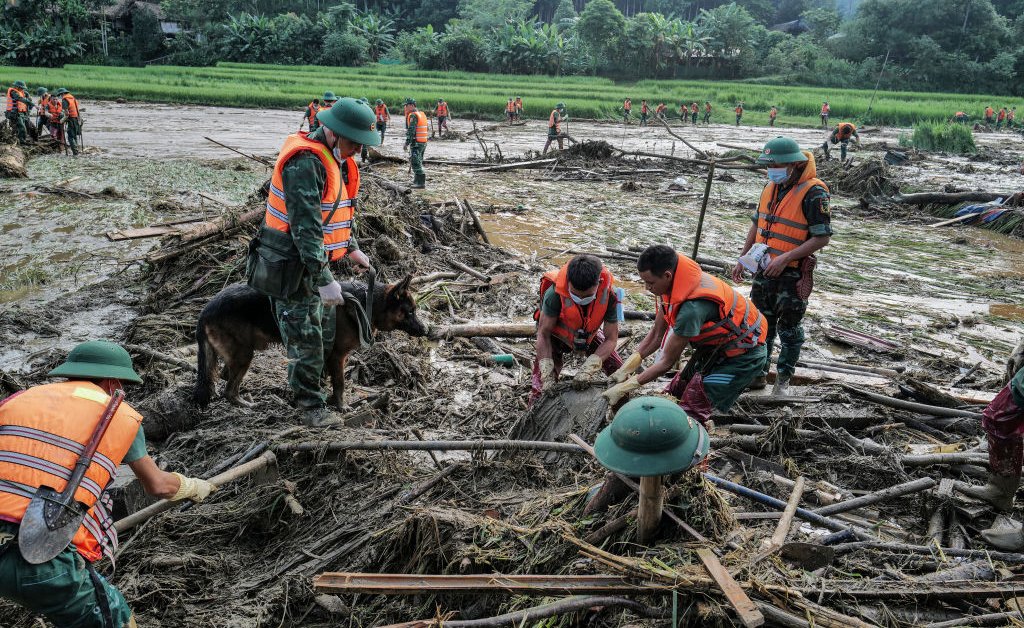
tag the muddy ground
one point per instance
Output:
(948, 297)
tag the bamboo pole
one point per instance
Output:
(652, 501)
(427, 445)
(782, 530)
(703, 207)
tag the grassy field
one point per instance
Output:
(484, 95)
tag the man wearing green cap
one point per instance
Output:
(328, 102)
(791, 223)
(380, 110)
(42, 432)
(416, 134)
(555, 127)
(69, 116)
(309, 115)
(16, 109)
(42, 107)
(308, 224)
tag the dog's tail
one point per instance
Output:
(207, 367)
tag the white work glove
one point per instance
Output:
(547, 373)
(331, 294)
(195, 489)
(628, 368)
(618, 391)
(1015, 361)
(360, 262)
(585, 376)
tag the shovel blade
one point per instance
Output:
(48, 526)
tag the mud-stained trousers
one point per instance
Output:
(708, 382)
(307, 329)
(1003, 422)
(558, 351)
(777, 299)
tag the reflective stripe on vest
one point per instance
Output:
(420, 120)
(72, 105)
(740, 326)
(43, 430)
(338, 232)
(782, 224)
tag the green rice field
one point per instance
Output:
(484, 95)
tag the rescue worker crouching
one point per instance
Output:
(42, 432)
(791, 223)
(578, 312)
(842, 134)
(308, 224)
(726, 331)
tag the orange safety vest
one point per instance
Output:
(959, 114)
(510, 107)
(18, 106)
(659, 109)
(442, 109)
(845, 130)
(519, 103)
(72, 106)
(351, 178)
(825, 109)
(627, 104)
(43, 106)
(989, 112)
(773, 112)
(572, 316)
(1011, 114)
(693, 108)
(422, 131)
(54, 108)
(382, 113)
(1002, 114)
(707, 108)
(338, 231)
(740, 326)
(43, 430)
(644, 108)
(311, 111)
(739, 110)
(782, 224)
(554, 120)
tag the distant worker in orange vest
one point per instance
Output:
(772, 114)
(791, 224)
(53, 111)
(16, 108)
(699, 310)
(443, 114)
(1011, 117)
(990, 115)
(42, 111)
(416, 142)
(380, 111)
(826, 111)
(328, 101)
(510, 111)
(309, 117)
(555, 131)
(645, 110)
(308, 224)
(707, 112)
(70, 118)
(1001, 117)
(43, 430)
(659, 112)
(739, 112)
(627, 109)
(578, 313)
(842, 134)
(684, 113)
(519, 108)
(693, 113)
(959, 117)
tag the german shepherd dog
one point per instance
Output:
(239, 321)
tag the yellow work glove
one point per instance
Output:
(628, 367)
(585, 376)
(618, 391)
(195, 489)
(547, 373)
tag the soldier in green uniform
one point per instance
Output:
(70, 116)
(328, 101)
(791, 223)
(16, 109)
(294, 247)
(416, 135)
(42, 121)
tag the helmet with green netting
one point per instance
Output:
(651, 436)
(781, 150)
(351, 119)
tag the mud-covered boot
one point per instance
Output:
(1004, 460)
(419, 181)
(1005, 534)
(781, 388)
(759, 383)
(315, 417)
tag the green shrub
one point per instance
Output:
(944, 137)
(345, 49)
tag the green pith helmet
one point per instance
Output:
(651, 436)
(380, 102)
(410, 101)
(351, 119)
(781, 150)
(329, 97)
(41, 90)
(62, 91)
(98, 359)
(20, 84)
(560, 106)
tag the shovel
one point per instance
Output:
(52, 519)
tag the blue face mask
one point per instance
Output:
(778, 175)
(582, 300)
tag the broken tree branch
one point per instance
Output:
(912, 406)
(907, 488)
(528, 616)
(427, 445)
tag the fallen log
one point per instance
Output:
(241, 471)
(476, 221)
(782, 529)
(224, 223)
(390, 185)
(980, 620)
(907, 488)
(528, 616)
(494, 330)
(469, 271)
(519, 165)
(427, 445)
(162, 357)
(12, 162)
(944, 198)
(912, 406)
(929, 550)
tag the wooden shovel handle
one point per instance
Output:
(94, 442)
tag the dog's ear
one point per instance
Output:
(403, 286)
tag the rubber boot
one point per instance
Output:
(419, 181)
(781, 388)
(1004, 460)
(1005, 534)
(759, 383)
(315, 417)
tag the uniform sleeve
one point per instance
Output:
(817, 208)
(138, 447)
(410, 129)
(304, 179)
(692, 315)
(612, 315)
(551, 304)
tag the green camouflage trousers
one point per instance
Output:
(416, 158)
(307, 329)
(777, 300)
(17, 121)
(74, 132)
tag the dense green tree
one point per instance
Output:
(565, 15)
(378, 31)
(600, 26)
(490, 14)
(823, 23)
(147, 38)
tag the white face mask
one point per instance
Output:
(582, 300)
(778, 175)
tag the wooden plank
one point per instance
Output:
(417, 584)
(782, 530)
(746, 610)
(143, 232)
